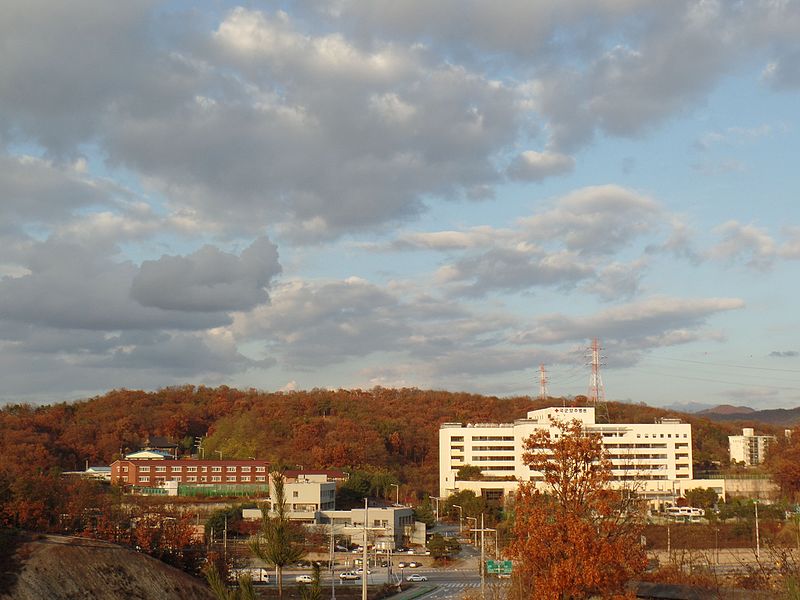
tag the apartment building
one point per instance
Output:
(653, 458)
(749, 448)
(147, 472)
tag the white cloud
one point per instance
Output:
(536, 166)
(597, 219)
(657, 316)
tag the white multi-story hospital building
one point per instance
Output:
(654, 459)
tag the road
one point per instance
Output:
(448, 584)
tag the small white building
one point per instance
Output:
(388, 526)
(304, 500)
(749, 448)
(655, 459)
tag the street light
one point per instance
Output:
(460, 517)
(436, 514)
(397, 496)
(474, 533)
(220, 453)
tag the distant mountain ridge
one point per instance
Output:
(779, 417)
(727, 409)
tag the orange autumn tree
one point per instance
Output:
(576, 537)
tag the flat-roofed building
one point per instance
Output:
(149, 472)
(749, 448)
(653, 458)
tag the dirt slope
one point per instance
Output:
(69, 568)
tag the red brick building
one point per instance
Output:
(150, 472)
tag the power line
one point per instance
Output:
(726, 382)
(716, 364)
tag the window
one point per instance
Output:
(231, 469)
(215, 478)
(177, 469)
(191, 469)
(144, 479)
(144, 469)
(191, 478)
(295, 494)
(161, 469)
(204, 478)
(216, 469)
(457, 438)
(245, 469)
(124, 469)
(231, 479)
(205, 469)
(246, 479)
(261, 469)
(261, 478)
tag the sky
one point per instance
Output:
(360, 193)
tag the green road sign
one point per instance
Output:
(499, 567)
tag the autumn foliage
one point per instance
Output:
(576, 537)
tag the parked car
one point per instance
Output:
(341, 549)
(349, 576)
(414, 565)
(402, 565)
(304, 579)
(416, 577)
(361, 571)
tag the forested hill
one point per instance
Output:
(392, 429)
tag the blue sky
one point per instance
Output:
(442, 195)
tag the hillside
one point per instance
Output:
(56, 567)
(390, 429)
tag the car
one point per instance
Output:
(304, 579)
(341, 549)
(416, 577)
(414, 565)
(410, 551)
(349, 576)
(361, 572)
(402, 565)
(358, 550)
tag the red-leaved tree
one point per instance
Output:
(574, 536)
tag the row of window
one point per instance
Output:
(204, 469)
(204, 479)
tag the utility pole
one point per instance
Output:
(364, 556)
(483, 563)
(397, 494)
(225, 544)
(669, 545)
(758, 542)
(333, 579)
